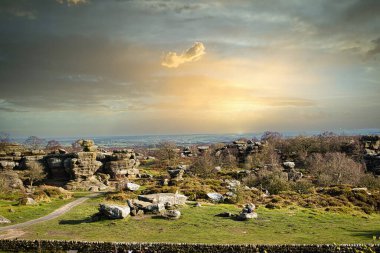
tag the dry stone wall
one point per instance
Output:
(80, 246)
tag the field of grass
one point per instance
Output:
(22, 213)
(200, 225)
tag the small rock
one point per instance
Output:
(27, 201)
(4, 220)
(247, 216)
(132, 186)
(198, 204)
(172, 214)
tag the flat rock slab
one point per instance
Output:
(171, 198)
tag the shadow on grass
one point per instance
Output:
(371, 234)
(74, 222)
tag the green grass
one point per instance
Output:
(24, 213)
(200, 225)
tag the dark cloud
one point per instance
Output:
(376, 49)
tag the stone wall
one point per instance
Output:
(79, 246)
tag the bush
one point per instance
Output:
(370, 181)
(302, 187)
(274, 180)
(335, 168)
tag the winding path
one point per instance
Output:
(12, 230)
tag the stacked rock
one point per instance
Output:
(247, 212)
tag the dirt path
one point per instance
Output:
(13, 231)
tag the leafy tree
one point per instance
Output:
(34, 173)
(34, 142)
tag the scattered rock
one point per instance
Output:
(172, 198)
(172, 214)
(246, 216)
(198, 204)
(114, 211)
(132, 186)
(289, 165)
(4, 220)
(215, 197)
(27, 201)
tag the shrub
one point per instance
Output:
(302, 187)
(335, 168)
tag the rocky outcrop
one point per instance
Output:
(371, 146)
(122, 164)
(11, 179)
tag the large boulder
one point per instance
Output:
(114, 211)
(11, 180)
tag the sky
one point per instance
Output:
(130, 67)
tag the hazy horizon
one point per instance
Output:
(101, 68)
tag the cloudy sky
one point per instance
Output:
(118, 67)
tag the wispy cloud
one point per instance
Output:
(72, 2)
(173, 60)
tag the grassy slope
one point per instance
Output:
(24, 213)
(199, 225)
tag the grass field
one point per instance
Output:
(22, 213)
(200, 225)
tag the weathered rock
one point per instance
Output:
(27, 201)
(83, 167)
(8, 165)
(246, 216)
(62, 151)
(122, 168)
(54, 162)
(11, 179)
(198, 204)
(215, 197)
(4, 220)
(132, 186)
(248, 208)
(172, 214)
(114, 211)
(232, 184)
(172, 198)
(289, 165)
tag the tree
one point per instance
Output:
(335, 168)
(34, 142)
(204, 166)
(53, 145)
(167, 153)
(34, 173)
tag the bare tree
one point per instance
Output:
(335, 168)
(34, 173)
(34, 142)
(167, 153)
(204, 166)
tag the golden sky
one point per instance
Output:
(92, 67)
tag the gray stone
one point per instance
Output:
(172, 214)
(172, 198)
(114, 211)
(27, 201)
(4, 220)
(132, 186)
(247, 216)
(215, 197)
(289, 165)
